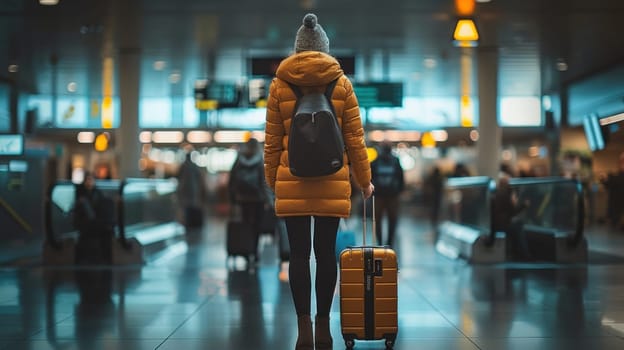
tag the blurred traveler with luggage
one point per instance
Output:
(433, 187)
(248, 190)
(614, 184)
(387, 175)
(325, 198)
(191, 193)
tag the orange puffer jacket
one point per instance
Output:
(325, 195)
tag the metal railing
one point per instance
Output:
(139, 203)
(554, 204)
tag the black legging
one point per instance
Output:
(325, 229)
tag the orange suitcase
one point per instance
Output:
(368, 292)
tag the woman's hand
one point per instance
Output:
(368, 191)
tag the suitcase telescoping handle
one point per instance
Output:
(364, 220)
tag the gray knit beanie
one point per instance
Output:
(311, 36)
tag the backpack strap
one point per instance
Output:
(330, 89)
(295, 89)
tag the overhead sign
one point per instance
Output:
(212, 95)
(266, 66)
(11, 144)
(381, 94)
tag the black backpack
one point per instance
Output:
(386, 179)
(247, 180)
(315, 144)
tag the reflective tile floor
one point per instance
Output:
(185, 297)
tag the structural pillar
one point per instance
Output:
(490, 134)
(127, 142)
(127, 145)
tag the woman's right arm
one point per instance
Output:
(353, 134)
(274, 133)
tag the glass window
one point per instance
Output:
(247, 118)
(191, 114)
(520, 111)
(418, 113)
(155, 112)
(72, 113)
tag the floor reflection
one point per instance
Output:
(187, 297)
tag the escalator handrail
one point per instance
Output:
(121, 215)
(577, 237)
(118, 185)
(47, 214)
(476, 182)
(50, 234)
(468, 181)
(521, 181)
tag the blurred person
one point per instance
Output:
(538, 197)
(614, 184)
(506, 207)
(247, 188)
(387, 175)
(507, 169)
(460, 170)
(88, 199)
(324, 198)
(191, 193)
(94, 218)
(433, 186)
(468, 212)
(103, 171)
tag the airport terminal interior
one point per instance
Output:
(506, 117)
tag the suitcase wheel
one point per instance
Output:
(389, 344)
(349, 344)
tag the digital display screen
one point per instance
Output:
(228, 95)
(11, 144)
(224, 93)
(258, 90)
(266, 66)
(380, 94)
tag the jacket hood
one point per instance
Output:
(309, 68)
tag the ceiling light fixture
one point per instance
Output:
(561, 65)
(465, 34)
(159, 65)
(72, 86)
(465, 7)
(48, 2)
(85, 137)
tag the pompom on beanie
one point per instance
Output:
(311, 36)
